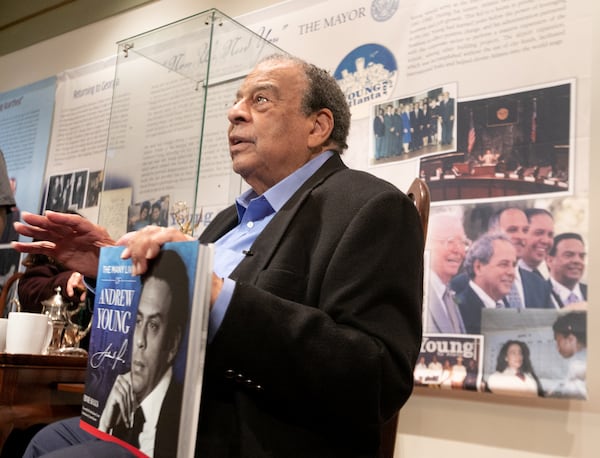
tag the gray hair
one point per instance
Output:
(323, 91)
(482, 250)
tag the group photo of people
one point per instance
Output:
(149, 213)
(499, 260)
(73, 191)
(503, 255)
(518, 143)
(412, 126)
(450, 362)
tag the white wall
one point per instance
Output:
(433, 422)
(98, 40)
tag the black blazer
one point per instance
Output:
(536, 290)
(167, 426)
(557, 299)
(470, 306)
(318, 345)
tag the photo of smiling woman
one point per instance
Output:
(514, 374)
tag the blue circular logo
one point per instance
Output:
(367, 73)
(382, 10)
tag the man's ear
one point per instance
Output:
(549, 261)
(174, 346)
(321, 128)
(476, 266)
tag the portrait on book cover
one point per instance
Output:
(137, 352)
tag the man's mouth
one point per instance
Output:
(137, 366)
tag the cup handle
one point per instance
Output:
(48, 337)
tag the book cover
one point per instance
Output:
(146, 351)
(450, 361)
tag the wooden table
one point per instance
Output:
(28, 390)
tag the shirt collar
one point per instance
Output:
(152, 403)
(487, 300)
(563, 291)
(276, 196)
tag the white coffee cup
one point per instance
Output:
(3, 326)
(28, 333)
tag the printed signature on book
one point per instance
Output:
(109, 354)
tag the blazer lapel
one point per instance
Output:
(267, 242)
(223, 223)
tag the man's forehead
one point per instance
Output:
(446, 225)
(570, 245)
(513, 216)
(541, 219)
(156, 296)
(271, 73)
(503, 246)
(258, 82)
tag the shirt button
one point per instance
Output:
(250, 224)
(229, 374)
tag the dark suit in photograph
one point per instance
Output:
(167, 426)
(558, 302)
(447, 114)
(425, 124)
(259, 394)
(470, 306)
(379, 133)
(536, 291)
(417, 140)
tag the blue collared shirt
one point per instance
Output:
(254, 213)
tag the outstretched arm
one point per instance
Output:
(75, 242)
(71, 239)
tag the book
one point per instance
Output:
(146, 352)
(450, 361)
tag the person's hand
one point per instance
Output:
(75, 284)
(145, 244)
(120, 404)
(71, 239)
(217, 285)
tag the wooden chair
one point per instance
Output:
(419, 193)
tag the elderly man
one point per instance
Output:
(447, 244)
(314, 328)
(566, 263)
(490, 265)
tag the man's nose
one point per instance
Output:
(140, 338)
(238, 112)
